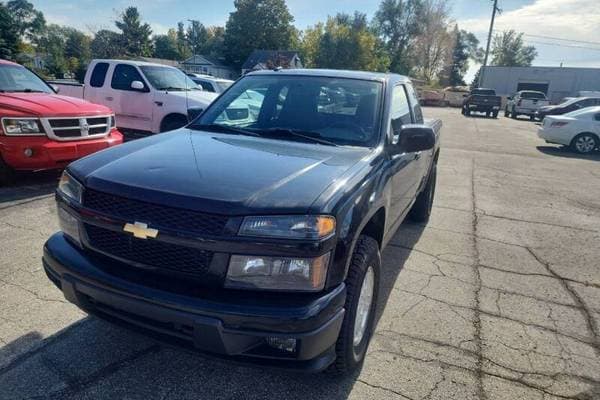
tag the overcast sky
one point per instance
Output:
(577, 20)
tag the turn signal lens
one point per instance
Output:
(289, 226)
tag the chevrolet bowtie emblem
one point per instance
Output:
(141, 230)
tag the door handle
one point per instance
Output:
(109, 98)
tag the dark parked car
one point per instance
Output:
(568, 106)
(483, 101)
(260, 240)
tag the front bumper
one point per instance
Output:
(235, 326)
(51, 154)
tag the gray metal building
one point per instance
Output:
(556, 82)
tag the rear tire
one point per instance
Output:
(585, 143)
(513, 114)
(421, 210)
(351, 345)
(173, 122)
(506, 113)
(7, 174)
(495, 114)
(468, 112)
(532, 117)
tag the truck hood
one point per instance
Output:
(48, 105)
(219, 173)
(196, 98)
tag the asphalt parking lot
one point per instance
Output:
(498, 297)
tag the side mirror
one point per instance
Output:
(55, 88)
(137, 85)
(415, 137)
(509, 98)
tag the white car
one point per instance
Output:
(579, 129)
(210, 83)
(146, 98)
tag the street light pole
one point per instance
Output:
(489, 40)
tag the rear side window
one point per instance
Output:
(416, 107)
(123, 76)
(99, 75)
(533, 95)
(597, 117)
(400, 111)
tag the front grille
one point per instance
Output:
(78, 127)
(150, 252)
(157, 216)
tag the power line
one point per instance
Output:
(563, 45)
(557, 38)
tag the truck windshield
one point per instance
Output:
(484, 92)
(14, 78)
(332, 110)
(533, 95)
(165, 78)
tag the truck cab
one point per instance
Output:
(42, 130)
(146, 97)
(256, 239)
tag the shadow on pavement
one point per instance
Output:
(94, 359)
(566, 152)
(29, 185)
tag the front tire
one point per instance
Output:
(173, 122)
(513, 114)
(506, 113)
(585, 143)
(7, 174)
(495, 114)
(362, 285)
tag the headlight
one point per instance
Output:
(28, 126)
(69, 225)
(277, 273)
(289, 227)
(69, 187)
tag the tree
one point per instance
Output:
(215, 42)
(135, 36)
(258, 24)
(433, 46)
(466, 47)
(78, 52)
(183, 47)
(9, 35)
(196, 36)
(165, 46)
(397, 23)
(29, 22)
(53, 41)
(509, 50)
(344, 42)
(106, 44)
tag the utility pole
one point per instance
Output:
(489, 40)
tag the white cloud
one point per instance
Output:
(568, 19)
(159, 29)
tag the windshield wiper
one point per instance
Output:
(225, 129)
(173, 89)
(27, 91)
(314, 137)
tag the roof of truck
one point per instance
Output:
(335, 73)
(132, 62)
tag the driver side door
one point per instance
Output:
(133, 107)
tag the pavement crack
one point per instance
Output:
(384, 389)
(582, 307)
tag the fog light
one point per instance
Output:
(28, 152)
(283, 344)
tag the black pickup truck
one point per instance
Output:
(259, 241)
(483, 101)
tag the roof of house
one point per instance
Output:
(265, 56)
(200, 59)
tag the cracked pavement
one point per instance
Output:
(497, 297)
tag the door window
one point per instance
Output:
(123, 76)
(99, 75)
(416, 107)
(206, 86)
(400, 111)
(597, 117)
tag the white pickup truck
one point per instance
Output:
(525, 102)
(146, 98)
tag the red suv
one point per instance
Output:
(42, 130)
